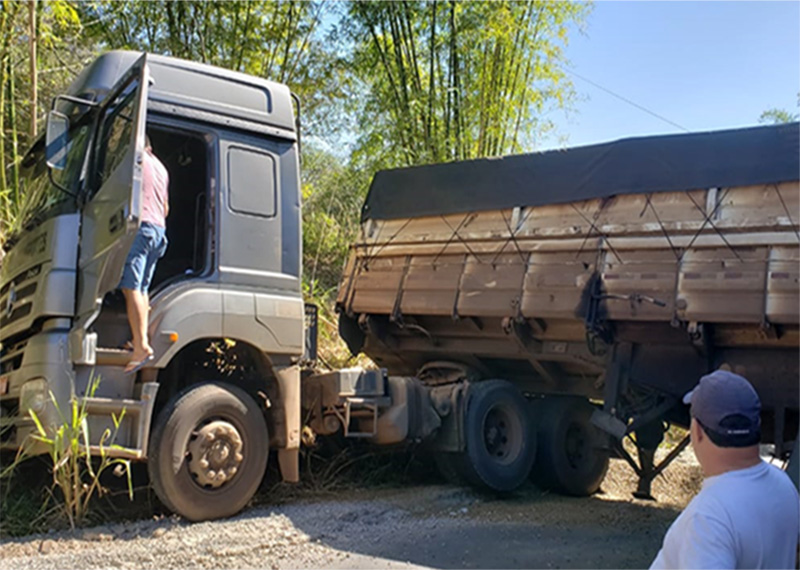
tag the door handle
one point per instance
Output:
(115, 222)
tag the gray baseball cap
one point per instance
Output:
(728, 406)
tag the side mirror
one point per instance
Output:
(56, 140)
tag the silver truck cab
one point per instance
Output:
(226, 299)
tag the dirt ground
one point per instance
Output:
(424, 525)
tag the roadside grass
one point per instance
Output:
(336, 465)
(76, 478)
(23, 508)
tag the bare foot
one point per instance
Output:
(138, 358)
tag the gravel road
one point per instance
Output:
(438, 526)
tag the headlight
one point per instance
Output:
(33, 396)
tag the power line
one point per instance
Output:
(625, 99)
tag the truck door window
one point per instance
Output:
(115, 133)
(251, 182)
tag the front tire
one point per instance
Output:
(208, 451)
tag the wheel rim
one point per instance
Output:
(215, 453)
(577, 446)
(502, 434)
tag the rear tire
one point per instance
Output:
(500, 442)
(208, 451)
(572, 452)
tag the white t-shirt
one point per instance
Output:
(748, 518)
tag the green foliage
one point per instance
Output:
(777, 117)
(279, 40)
(68, 445)
(21, 508)
(62, 52)
(332, 198)
(457, 80)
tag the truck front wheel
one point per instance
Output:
(208, 451)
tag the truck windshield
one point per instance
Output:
(40, 199)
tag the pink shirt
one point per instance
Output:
(155, 197)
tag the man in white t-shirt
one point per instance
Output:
(747, 514)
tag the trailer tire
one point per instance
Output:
(500, 441)
(572, 458)
(208, 451)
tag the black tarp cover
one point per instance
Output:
(740, 157)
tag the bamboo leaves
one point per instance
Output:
(456, 80)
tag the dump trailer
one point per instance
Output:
(599, 283)
(523, 325)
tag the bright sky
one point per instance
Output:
(702, 65)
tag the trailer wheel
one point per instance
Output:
(572, 455)
(499, 437)
(208, 451)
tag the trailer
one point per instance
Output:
(599, 283)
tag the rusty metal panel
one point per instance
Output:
(554, 283)
(783, 293)
(650, 273)
(431, 285)
(346, 282)
(769, 206)
(723, 285)
(491, 285)
(376, 284)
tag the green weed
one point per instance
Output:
(75, 475)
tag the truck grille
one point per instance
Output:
(16, 299)
(17, 314)
(11, 357)
(24, 276)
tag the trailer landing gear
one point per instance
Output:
(648, 438)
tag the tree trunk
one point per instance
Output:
(15, 198)
(32, 39)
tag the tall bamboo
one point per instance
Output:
(32, 40)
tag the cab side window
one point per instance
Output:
(116, 133)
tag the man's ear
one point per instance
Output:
(696, 431)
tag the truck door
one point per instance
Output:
(111, 215)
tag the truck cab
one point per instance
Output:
(226, 304)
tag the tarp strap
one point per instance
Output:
(593, 227)
(457, 235)
(370, 258)
(675, 251)
(450, 239)
(711, 223)
(512, 237)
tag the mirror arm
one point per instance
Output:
(60, 186)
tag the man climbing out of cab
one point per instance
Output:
(148, 247)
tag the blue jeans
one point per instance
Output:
(148, 247)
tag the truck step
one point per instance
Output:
(141, 411)
(112, 357)
(355, 406)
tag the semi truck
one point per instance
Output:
(527, 314)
